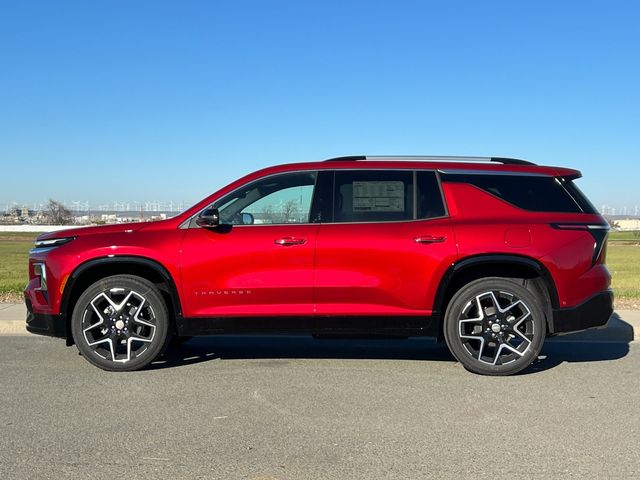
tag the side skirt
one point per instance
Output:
(355, 326)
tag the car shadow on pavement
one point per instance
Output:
(233, 347)
(556, 353)
(610, 343)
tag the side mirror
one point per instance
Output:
(209, 218)
(247, 219)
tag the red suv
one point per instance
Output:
(491, 254)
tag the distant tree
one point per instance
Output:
(286, 213)
(290, 212)
(57, 214)
(613, 224)
(268, 214)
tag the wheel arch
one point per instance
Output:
(92, 270)
(536, 276)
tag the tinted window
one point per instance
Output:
(535, 193)
(579, 197)
(373, 196)
(429, 199)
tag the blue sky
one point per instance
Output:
(151, 100)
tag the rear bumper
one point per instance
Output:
(594, 312)
(43, 324)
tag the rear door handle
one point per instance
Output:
(429, 239)
(288, 241)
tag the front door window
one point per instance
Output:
(277, 200)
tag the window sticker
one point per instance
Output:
(378, 196)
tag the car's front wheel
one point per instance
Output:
(120, 323)
(495, 326)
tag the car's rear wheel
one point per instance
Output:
(120, 323)
(495, 326)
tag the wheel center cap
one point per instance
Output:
(495, 328)
(119, 324)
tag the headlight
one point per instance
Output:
(53, 242)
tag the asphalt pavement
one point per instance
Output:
(265, 408)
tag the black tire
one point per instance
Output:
(121, 323)
(492, 339)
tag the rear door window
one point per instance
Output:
(373, 196)
(385, 196)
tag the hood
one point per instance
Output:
(94, 230)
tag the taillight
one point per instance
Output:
(599, 232)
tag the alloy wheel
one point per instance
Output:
(119, 324)
(496, 327)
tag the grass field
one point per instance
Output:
(14, 251)
(623, 259)
(632, 237)
(624, 263)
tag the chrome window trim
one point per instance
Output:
(376, 222)
(492, 172)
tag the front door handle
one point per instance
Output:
(288, 241)
(429, 239)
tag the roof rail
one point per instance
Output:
(511, 161)
(351, 158)
(423, 158)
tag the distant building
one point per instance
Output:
(19, 215)
(628, 224)
(108, 217)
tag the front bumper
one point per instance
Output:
(43, 324)
(594, 312)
